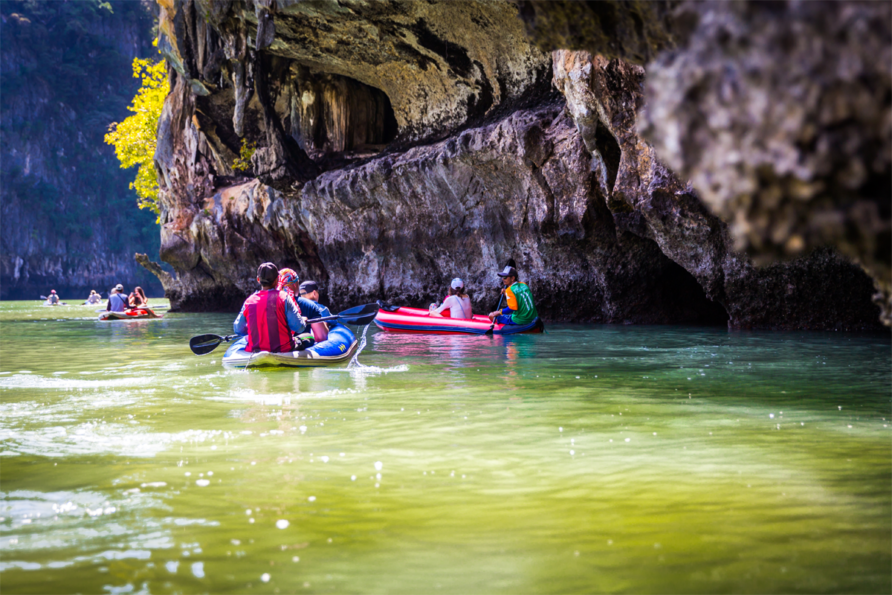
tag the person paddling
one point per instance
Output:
(309, 301)
(520, 309)
(94, 298)
(269, 316)
(458, 302)
(116, 301)
(53, 299)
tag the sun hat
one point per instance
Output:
(457, 283)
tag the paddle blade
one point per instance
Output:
(359, 315)
(203, 344)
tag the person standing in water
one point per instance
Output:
(520, 309)
(458, 302)
(269, 316)
(116, 301)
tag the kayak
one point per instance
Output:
(416, 320)
(339, 347)
(136, 314)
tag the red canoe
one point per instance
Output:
(130, 315)
(416, 320)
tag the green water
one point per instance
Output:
(589, 459)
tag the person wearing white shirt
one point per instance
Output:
(458, 302)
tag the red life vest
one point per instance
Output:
(267, 325)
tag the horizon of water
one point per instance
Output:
(588, 459)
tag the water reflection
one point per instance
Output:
(588, 458)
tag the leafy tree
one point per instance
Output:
(134, 138)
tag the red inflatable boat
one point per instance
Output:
(416, 320)
(130, 314)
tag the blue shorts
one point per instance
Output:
(505, 319)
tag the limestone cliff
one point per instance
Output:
(68, 219)
(402, 143)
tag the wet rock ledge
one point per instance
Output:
(399, 144)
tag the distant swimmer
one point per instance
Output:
(458, 302)
(116, 301)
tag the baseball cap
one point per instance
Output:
(268, 273)
(457, 283)
(308, 286)
(119, 287)
(508, 272)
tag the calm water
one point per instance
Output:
(589, 459)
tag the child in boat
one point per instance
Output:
(458, 302)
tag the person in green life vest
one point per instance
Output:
(521, 309)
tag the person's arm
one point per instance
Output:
(108, 305)
(443, 306)
(292, 315)
(240, 325)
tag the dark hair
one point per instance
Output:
(459, 291)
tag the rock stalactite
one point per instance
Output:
(400, 144)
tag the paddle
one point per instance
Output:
(359, 315)
(493, 325)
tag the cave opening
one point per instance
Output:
(335, 116)
(683, 296)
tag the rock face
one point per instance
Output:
(400, 144)
(68, 220)
(777, 112)
(781, 115)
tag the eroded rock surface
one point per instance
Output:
(477, 159)
(781, 115)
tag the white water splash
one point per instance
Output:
(357, 368)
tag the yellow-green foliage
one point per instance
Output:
(243, 161)
(134, 138)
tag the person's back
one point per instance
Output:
(116, 301)
(53, 298)
(269, 316)
(459, 306)
(458, 302)
(94, 298)
(520, 299)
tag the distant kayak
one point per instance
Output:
(338, 348)
(130, 315)
(417, 320)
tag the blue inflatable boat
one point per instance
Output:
(339, 347)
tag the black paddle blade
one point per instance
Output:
(359, 315)
(203, 344)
